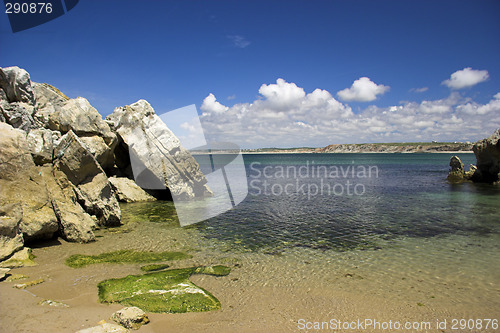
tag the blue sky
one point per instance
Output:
(176, 53)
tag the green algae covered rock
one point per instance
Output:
(168, 291)
(154, 267)
(124, 256)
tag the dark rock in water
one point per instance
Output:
(487, 153)
(457, 172)
(159, 160)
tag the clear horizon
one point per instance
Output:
(270, 74)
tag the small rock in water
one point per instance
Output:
(28, 284)
(130, 317)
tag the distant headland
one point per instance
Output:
(403, 147)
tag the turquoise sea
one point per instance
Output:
(384, 229)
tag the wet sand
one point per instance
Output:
(267, 293)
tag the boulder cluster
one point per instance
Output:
(487, 168)
(63, 168)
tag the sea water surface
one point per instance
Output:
(394, 227)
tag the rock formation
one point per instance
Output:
(158, 159)
(487, 169)
(56, 154)
(487, 153)
(128, 191)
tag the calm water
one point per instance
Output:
(349, 201)
(403, 232)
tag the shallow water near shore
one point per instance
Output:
(411, 248)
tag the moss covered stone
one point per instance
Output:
(123, 256)
(154, 267)
(168, 291)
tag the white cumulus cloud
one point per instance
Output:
(285, 115)
(362, 90)
(465, 78)
(210, 104)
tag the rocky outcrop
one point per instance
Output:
(34, 191)
(128, 191)
(487, 153)
(396, 148)
(158, 159)
(20, 183)
(54, 155)
(457, 173)
(91, 183)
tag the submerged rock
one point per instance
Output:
(123, 256)
(487, 153)
(158, 159)
(128, 191)
(130, 317)
(163, 292)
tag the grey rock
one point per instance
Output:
(159, 160)
(80, 117)
(16, 84)
(21, 183)
(128, 191)
(48, 100)
(14, 153)
(75, 225)
(11, 238)
(130, 317)
(19, 115)
(41, 145)
(487, 153)
(103, 153)
(92, 187)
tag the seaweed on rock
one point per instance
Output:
(168, 291)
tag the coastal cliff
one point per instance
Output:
(56, 157)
